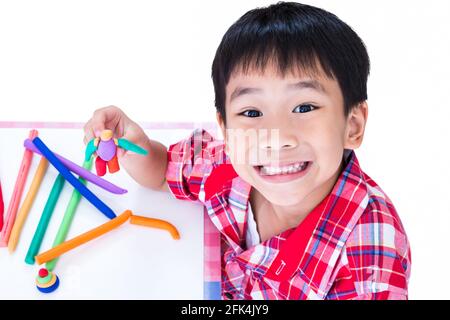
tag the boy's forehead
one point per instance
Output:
(273, 70)
(252, 77)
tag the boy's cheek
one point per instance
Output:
(327, 163)
(244, 173)
(238, 152)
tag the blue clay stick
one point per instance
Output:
(82, 189)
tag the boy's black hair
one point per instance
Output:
(293, 35)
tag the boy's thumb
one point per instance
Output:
(98, 128)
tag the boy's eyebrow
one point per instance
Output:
(310, 84)
(239, 91)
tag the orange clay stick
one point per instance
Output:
(155, 223)
(83, 238)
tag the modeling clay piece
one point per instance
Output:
(26, 205)
(10, 217)
(45, 219)
(82, 172)
(105, 148)
(68, 217)
(156, 223)
(68, 245)
(83, 238)
(85, 192)
(2, 207)
(46, 282)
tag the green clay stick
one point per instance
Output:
(33, 250)
(68, 217)
(127, 145)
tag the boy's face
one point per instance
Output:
(286, 136)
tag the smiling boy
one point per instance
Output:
(299, 218)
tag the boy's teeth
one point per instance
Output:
(267, 170)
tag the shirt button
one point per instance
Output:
(229, 295)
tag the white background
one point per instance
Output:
(62, 59)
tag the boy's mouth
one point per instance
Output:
(283, 173)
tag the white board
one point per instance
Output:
(131, 262)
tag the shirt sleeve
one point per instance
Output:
(188, 164)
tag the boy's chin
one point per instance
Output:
(281, 199)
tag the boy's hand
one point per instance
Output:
(115, 119)
(149, 170)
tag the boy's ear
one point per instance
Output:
(356, 124)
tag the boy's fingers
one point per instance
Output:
(133, 132)
(98, 122)
(112, 118)
(91, 133)
(95, 125)
(88, 132)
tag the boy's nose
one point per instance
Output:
(276, 147)
(278, 141)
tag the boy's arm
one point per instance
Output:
(149, 171)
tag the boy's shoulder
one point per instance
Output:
(378, 209)
(380, 215)
(379, 224)
(377, 249)
(374, 254)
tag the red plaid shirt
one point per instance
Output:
(351, 246)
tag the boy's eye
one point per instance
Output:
(303, 108)
(252, 113)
